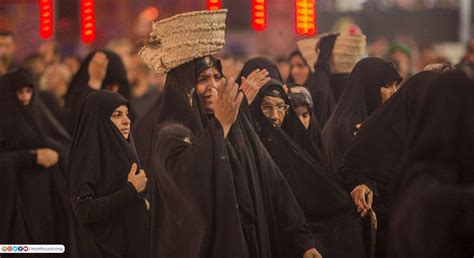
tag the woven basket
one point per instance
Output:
(182, 38)
(348, 50)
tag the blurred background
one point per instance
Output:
(420, 31)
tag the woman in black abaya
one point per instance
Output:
(106, 183)
(33, 150)
(217, 191)
(370, 79)
(304, 107)
(433, 198)
(435, 193)
(328, 208)
(370, 165)
(100, 70)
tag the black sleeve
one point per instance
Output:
(18, 158)
(291, 220)
(90, 209)
(22, 159)
(289, 215)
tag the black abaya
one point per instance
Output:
(433, 215)
(300, 96)
(328, 209)
(217, 197)
(105, 203)
(358, 101)
(36, 198)
(376, 151)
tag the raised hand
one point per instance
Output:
(253, 83)
(227, 99)
(97, 70)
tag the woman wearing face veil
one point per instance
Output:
(435, 193)
(217, 191)
(35, 206)
(328, 209)
(106, 182)
(100, 70)
(369, 167)
(372, 81)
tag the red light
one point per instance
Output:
(151, 13)
(88, 29)
(46, 18)
(305, 17)
(259, 14)
(214, 4)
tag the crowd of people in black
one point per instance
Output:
(111, 161)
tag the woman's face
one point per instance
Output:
(299, 70)
(274, 108)
(24, 95)
(387, 91)
(121, 120)
(304, 115)
(207, 80)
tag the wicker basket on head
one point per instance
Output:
(182, 38)
(348, 50)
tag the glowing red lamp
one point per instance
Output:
(88, 26)
(259, 14)
(46, 18)
(305, 17)
(214, 4)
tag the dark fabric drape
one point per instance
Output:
(303, 97)
(375, 153)
(328, 208)
(435, 193)
(105, 203)
(339, 82)
(36, 198)
(358, 101)
(217, 197)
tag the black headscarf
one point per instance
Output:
(300, 96)
(328, 208)
(358, 101)
(376, 151)
(259, 63)
(79, 89)
(249, 67)
(318, 85)
(217, 197)
(435, 192)
(100, 161)
(40, 212)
